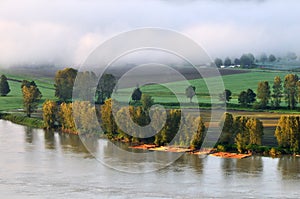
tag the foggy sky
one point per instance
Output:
(65, 32)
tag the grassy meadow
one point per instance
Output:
(14, 100)
(234, 82)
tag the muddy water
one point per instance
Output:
(35, 164)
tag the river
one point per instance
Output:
(35, 164)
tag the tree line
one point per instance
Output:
(269, 96)
(248, 60)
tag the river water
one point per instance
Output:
(35, 164)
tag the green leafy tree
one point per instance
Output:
(147, 101)
(64, 83)
(169, 131)
(247, 60)
(31, 98)
(241, 133)
(246, 97)
(272, 58)
(287, 133)
(187, 130)
(237, 62)
(141, 118)
(27, 83)
(251, 96)
(105, 87)
(227, 124)
(158, 116)
(239, 125)
(242, 98)
(225, 96)
(218, 62)
(227, 62)
(277, 92)
(241, 142)
(263, 58)
(248, 132)
(290, 90)
(197, 138)
(85, 85)
(255, 128)
(190, 92)
(263, 93)
(4, 86)
(291, 56)
(136, 95)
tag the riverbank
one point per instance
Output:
(175, 149)
(33, 122)
(23, 120)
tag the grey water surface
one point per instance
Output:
(38, 164)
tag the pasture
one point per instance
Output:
(14, 100)
(235, 82)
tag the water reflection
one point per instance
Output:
(289, 167)
(73, 143)
(49, 140)
(188, 160)
(32, 160)
(28, 134)
(252, 165)
(119, 157)
(228, 166)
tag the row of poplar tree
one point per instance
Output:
(288, 90)
(116, 125)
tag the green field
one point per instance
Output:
(236, 83)
(14, 100)
(161, 94)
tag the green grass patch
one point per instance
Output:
(23, 120)
(236, 83)
(14, 99)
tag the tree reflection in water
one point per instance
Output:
(49, 139)
(28, 134)
(289, 167)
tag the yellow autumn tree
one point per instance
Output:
(107, 119)
(31, 98)
(49, 114)
(66, 117)
(85, 117)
